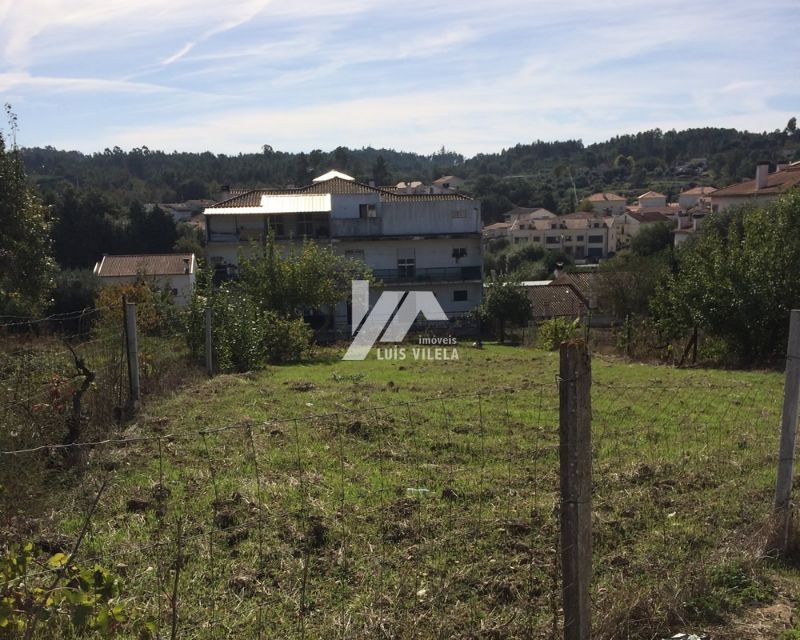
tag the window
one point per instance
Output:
(304, 225)
(459, 213)
(354, 254)
(406, 263)
(552, 240)
(536, 239)
(174, 293)
(459, 252)
(579, 238)
(367, 211)
(276, 226)
(568, 238)
(460, 295)
(595, 239)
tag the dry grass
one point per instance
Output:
(419, 499)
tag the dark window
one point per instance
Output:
(406, 267)
(460, 295)
(595, 239)
(304, 225)
(552, 240)
(277, 227)
(579, 238)
(367, 211)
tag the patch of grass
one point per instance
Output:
(419, 498)
(728, 587)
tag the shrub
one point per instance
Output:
(551, 333)
(245, 338)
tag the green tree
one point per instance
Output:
(737, 281)
(652, 239)
(87, 225)
(26, 263)
(151, 230)
(380, 172)
(311, 277)
(505, 303)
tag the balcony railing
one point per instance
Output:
(435, 274)
(318, 232)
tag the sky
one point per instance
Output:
(473, 76)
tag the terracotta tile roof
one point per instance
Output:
(554, 300)
(698, 191)
(777, 182)
(652, 194)
(667, 210)
(528, 213)
(497, 225)
(583, 282)
(605, 197)
(649, 216)
(335, 186)
(169, 264)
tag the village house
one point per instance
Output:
(172, 272)
(607, 203)
(419, 241)
(763, 188)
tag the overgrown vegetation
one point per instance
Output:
(261, 317)
(341, 499)
(737, 280)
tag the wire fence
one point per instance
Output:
(436, 518)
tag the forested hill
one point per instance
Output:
(549, 174)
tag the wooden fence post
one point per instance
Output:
(209, 316)
(575, 457)
(132, 349)
(791, 400)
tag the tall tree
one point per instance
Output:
(26, 263)
(737, 281)
(504, 304)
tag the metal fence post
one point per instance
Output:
(791, 399)
(132, 349)
(575, 458)
(209, 317)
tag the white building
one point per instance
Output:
(172, 272)
(412, 241)
(607, 203)
(765, 187)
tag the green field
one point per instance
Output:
(414, 498)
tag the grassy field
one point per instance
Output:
(409, 498)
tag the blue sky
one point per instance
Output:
(473, 76)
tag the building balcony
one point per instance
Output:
(436, 274)
(356, 227)
(317, 232)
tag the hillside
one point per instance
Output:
(548, 174)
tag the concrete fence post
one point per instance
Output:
(132, 350)
(791, 402)
(575, 458)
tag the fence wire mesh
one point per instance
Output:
(437, 518)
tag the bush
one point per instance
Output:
(245, 337)
(551, 333)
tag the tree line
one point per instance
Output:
(555, 175)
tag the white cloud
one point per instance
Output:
(417, 75)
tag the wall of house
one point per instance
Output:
(428, 253)
(653, 201)
(430, 217)
(181, 286)
(721, 203)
